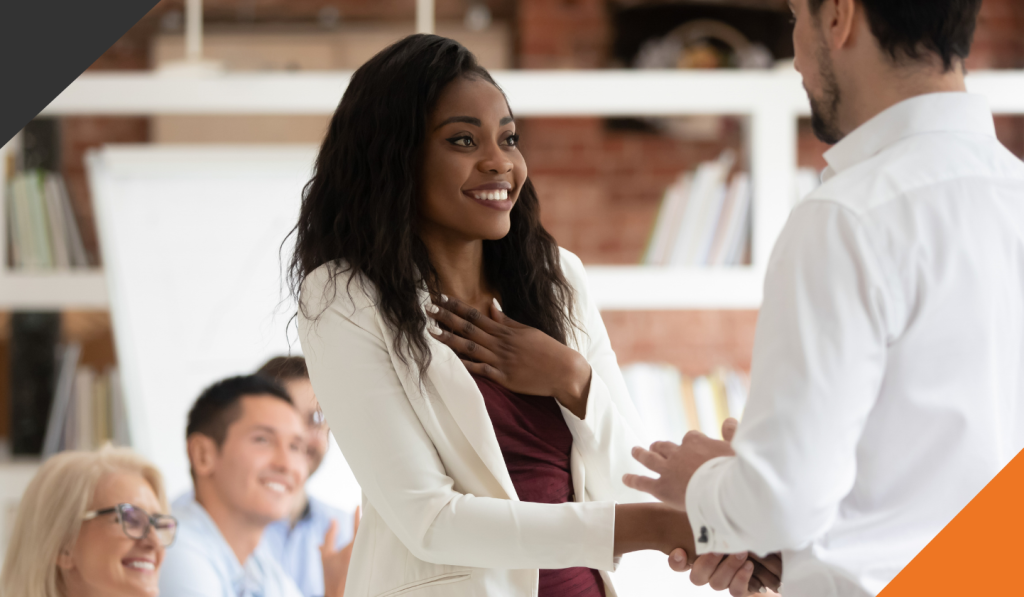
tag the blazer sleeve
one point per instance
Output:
(611, 425)
(401, 474)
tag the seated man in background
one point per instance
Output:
(247, 451)
(296, 540)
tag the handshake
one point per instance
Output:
(741, 573)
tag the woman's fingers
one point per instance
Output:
(765, 576)
(484, 370)
(772, 562)
(468, 315)
(466, 348)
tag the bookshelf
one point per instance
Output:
(772, 100)
(40, 289)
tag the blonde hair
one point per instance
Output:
(50, 516)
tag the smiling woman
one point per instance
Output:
(456, 352)
(90, 523)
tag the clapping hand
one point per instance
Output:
(336, 561)
(520, 358)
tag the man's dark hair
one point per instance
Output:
(284, 369)
(912, 28)
(220, 404)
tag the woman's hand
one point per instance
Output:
(522, 359)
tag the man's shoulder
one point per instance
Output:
(920, 163)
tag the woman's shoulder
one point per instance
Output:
(572, 266)
(334, 285)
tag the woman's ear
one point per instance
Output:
(202, 454)
(65, 561)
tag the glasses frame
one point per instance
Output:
(153, 520)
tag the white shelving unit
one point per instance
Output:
(771, 100)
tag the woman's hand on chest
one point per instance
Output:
(522, 359)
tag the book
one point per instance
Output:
(718, 392)
(13, 233)
(55, 439)
(120, 430)
(702, 211)
(667, 224)
(707, 417)
(33, 365)
(76, 247)
(55, 219)
(101, 410)
(42, 244)
(736, 239)
(85, 426)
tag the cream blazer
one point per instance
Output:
(440, 514)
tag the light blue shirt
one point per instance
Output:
(297, 548)
(202, 564)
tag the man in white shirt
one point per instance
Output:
(887, 385)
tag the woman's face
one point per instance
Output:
(105, 561)
(472, 169)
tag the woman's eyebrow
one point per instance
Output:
(472, 121)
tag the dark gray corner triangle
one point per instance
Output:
(46, 44)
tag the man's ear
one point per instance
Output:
(837, 19)
(202, 454)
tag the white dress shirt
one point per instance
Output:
(888, 372)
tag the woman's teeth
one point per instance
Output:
(496, 195)
(141, 565)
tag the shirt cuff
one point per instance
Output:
(711, 531)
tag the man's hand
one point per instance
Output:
(335, 561)
(677, 463)
(743, 574)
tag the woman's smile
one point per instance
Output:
(494, 195)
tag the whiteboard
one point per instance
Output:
(190, 238)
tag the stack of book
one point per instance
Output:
(88, 407)
(671, 404)
(704, 219)
(42, 227)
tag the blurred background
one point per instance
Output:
(670, 190)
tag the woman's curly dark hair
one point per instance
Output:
(360, 209)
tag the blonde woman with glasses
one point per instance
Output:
(90, 524)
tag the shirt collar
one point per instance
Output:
(949, 112)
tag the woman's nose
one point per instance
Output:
(495, 162)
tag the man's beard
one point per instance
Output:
(825, 111)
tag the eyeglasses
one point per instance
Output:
(135, 522)
(316, 420)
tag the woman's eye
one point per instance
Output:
(512, 141)
(461, 141)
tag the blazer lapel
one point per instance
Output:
(461, 395)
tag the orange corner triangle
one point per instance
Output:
(978, 550)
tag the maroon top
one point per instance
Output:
(536, 443)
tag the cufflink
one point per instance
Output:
(703, 535)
